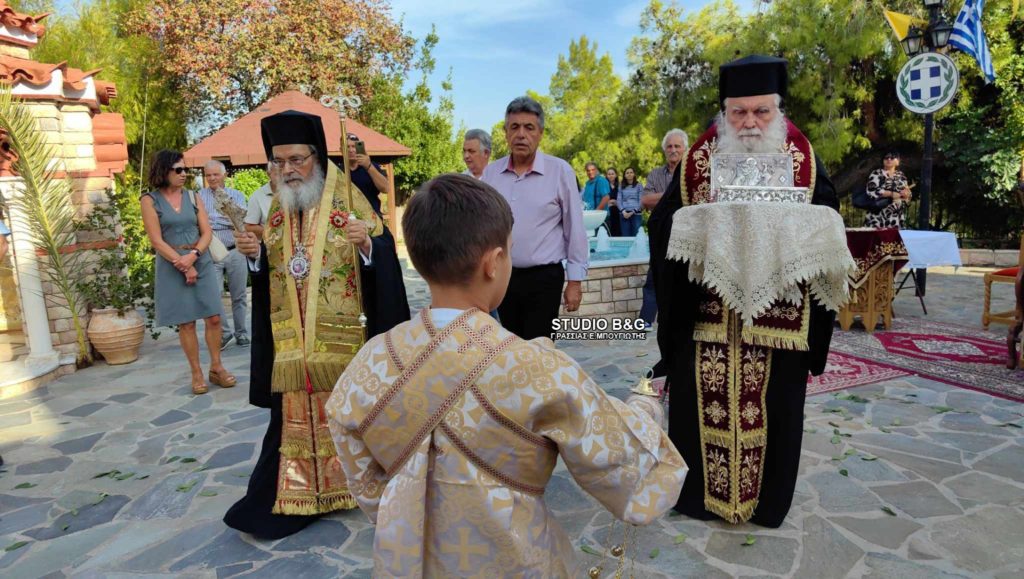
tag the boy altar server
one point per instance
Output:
(448, 426)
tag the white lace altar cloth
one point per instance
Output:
(754, 254)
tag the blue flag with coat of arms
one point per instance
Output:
(969, 37)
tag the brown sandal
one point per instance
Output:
(199, 387)
(221, 380)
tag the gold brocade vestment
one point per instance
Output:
(450, 435)
(316, 328)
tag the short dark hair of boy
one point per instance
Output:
(450, 223)
(163, 163)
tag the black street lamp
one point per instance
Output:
(933, 38)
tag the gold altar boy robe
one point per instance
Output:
(448, 437)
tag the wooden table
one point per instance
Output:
(879, 254)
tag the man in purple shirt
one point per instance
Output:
(548, 226)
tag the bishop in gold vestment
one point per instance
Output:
(307, 325)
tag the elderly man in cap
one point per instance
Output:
(311, 315)
(743, 449)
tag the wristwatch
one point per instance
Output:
(196, 251)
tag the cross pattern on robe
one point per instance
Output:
(399, 549)
(926, 82)
(464, 549)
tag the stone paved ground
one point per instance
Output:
(908, 478)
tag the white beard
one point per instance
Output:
(772, 140)
(302, 196)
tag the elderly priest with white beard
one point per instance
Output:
(308, 301)
(747, 294)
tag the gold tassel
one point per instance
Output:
(745, 511)
(712, 336)
(289, 373)
(308, 506)
(721, 509)
(296, 449)
(715, 437)
(337, 501)
(322, 504)
(325, 368)
(757, 338)
(740, 514)
(753, 439)
(325, 445)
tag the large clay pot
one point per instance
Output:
(117, 338)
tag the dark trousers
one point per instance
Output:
(532, 300)
(649, 309)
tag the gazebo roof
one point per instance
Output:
(240, 142)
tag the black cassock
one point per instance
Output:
(385, 305)
(678, 299)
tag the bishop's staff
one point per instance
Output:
(342, 102)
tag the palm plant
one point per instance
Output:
(45, 210)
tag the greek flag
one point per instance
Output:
(969, 37)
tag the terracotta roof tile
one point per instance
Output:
(105, 91)
(28, 23)
(241, 143)
(14, 70)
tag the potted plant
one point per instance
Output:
(113, 292)
(116, 329)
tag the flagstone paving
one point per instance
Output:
(118, 471)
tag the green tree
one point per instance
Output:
(407, 118)
(248, 180)
(229, 56)
(586, 118)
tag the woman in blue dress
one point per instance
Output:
(186, 285)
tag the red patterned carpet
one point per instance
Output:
(962, 356)
(845, 371)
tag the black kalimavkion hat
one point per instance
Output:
(294, 128)
(752, 76)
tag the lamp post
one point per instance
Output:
(932, 39)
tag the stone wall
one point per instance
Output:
(989, 257)
(613, 292)
(68, 128)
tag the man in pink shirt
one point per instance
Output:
(548, 225)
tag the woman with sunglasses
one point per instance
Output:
(888, 183)
(186, 284)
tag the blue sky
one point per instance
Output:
(497, 50)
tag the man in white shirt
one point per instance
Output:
(259, 205)
(476, 152)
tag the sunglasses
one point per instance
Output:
(890, 157)
(179, 170)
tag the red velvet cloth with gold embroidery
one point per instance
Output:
(871, 248)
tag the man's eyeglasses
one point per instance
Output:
(295, 161)
(179, 170)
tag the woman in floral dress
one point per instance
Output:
(888, 183)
